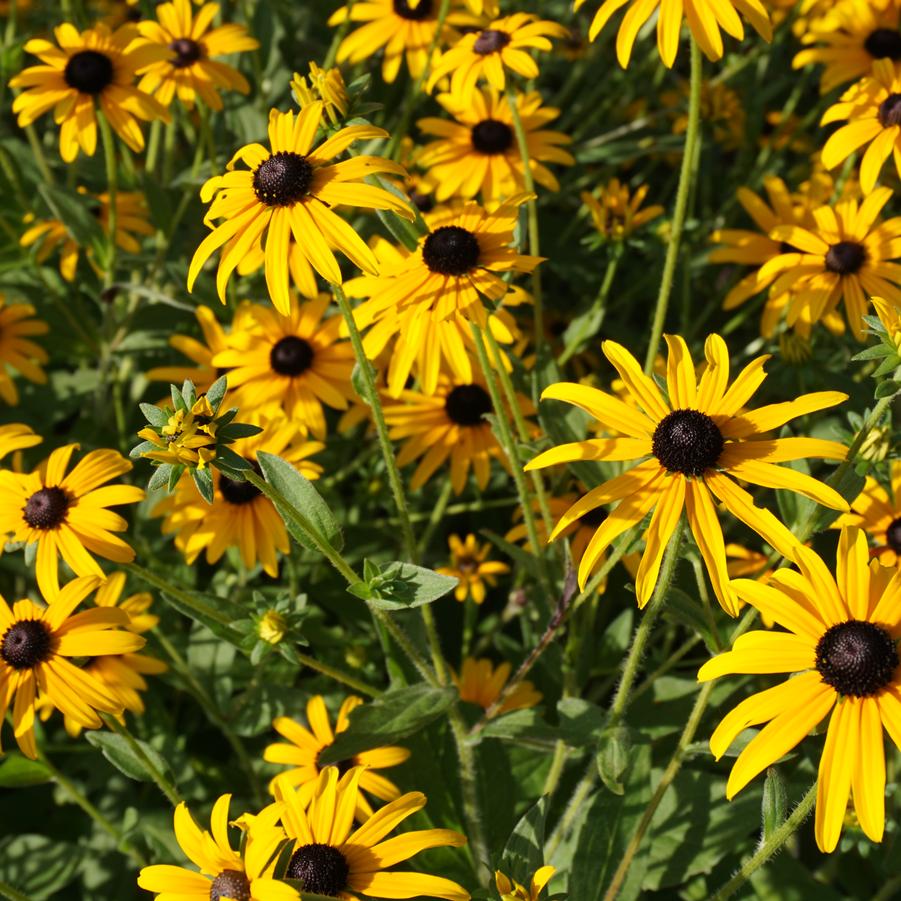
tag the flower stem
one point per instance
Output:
(162, 783)
(39, 157)
(381, 427)
(336, 674)
(339, 36)
(769, 847)
(112, 187)
(532, 217)
(469, 784)
(643, 632)
(153, 146)
(105, 824)
(598, 307)
(687, 175)
(8, 892)
(184, 597)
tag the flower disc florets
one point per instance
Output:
(415, 14)
(884, 43)
(846, 257)
(491, 40)
(187, 52)
(890, 111)
(282, 179)
(687, 441)
(46, 508)
(291, 356)
(25, 644)
(322, 869)
(231, 885)
(467, 405)
(857, 658)
(492, 137)
(451, 250)
(88, 71)
(893, 535)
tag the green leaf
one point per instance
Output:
(399, 586)
(775, 802)
(521, 726)
(203, 481)
(239, 430)
(38, 866)
(300, 494)
(581, 722)
(216, 392)
(154, 415)
(17, 771)
(848, 486)
(524, 851)
(887, 388)
(119, 753)
(160, 477)
(390, 717)
(74, 211)
(614, 757)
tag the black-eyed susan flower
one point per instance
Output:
(244, 875)
(15, 437)
(430, 296)
(239, 515)
(292, 189)
(694, 446)
(847, 38)
(479, 153)
(480, 682)
(18, 353)
(189, 68)
(81, 71)
(326, 85)
(872, 110)
(877, 511)
(513, 891)
(448, 425)
(330, 858)
(35, 644)
(50, 235)
(469, 564)
(616, 212)
(402, 29)
(722, 112)
(705, 18)
(484, 54)
(68, 515)
(841, 640)
(846, 255)
(292, 363)
(122, 675)
(304, 743)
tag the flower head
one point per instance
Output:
(513, 891)
(616, 212)
(17, 351)
(471, 567)
(840, 640)
(479, 682)
(326, 85)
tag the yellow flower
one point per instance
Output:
(877, 512)
(272, 627)
(695, 445)
(479, 153)
(68, 515)
(326, 85)
(35, 643)
(616, 213)
(15, 437)
(705, 19)
(292, 189)
(335, 861)
(480, 683)
(17, 351)
(513, 891)
(188, 438)
(471, 567)
(304, 744)
(485, 54)
(96, 66)
(244, 875)
(188, 67)
(840, 640)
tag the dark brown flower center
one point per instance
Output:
(884, 43)
(230, 884)
(25, 644)
(856, 658)
(425, 203)
(322, 869)
(687, 441)
(88, 71)
(186, 52)
(420, 11)
(467, 405)
(282, 179)
(46, 508)
(893, 535)
(491, 136)
(890, 111)
(491, 40)
(240, 493)
(846, 257)
(291, 356)
(451, 250)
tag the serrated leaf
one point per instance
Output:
(299, 493)
(389, 718)
(120, 754)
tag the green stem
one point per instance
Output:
(510, 449)
(666, 780)
(38, 152)
(179, 594)
(599, 305)
(643, 632)
(208, 139)
(105, 824)
(153, 146)
(381, 427)
(686, 177)
(575, 805)
(469, 785)
(338, 37)
(431, 631)
(532, 217)
(112, 187)
(336, 674)
(435, 516)
(162, 783)
(470, 618)
(7, 891)
(769, 847)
